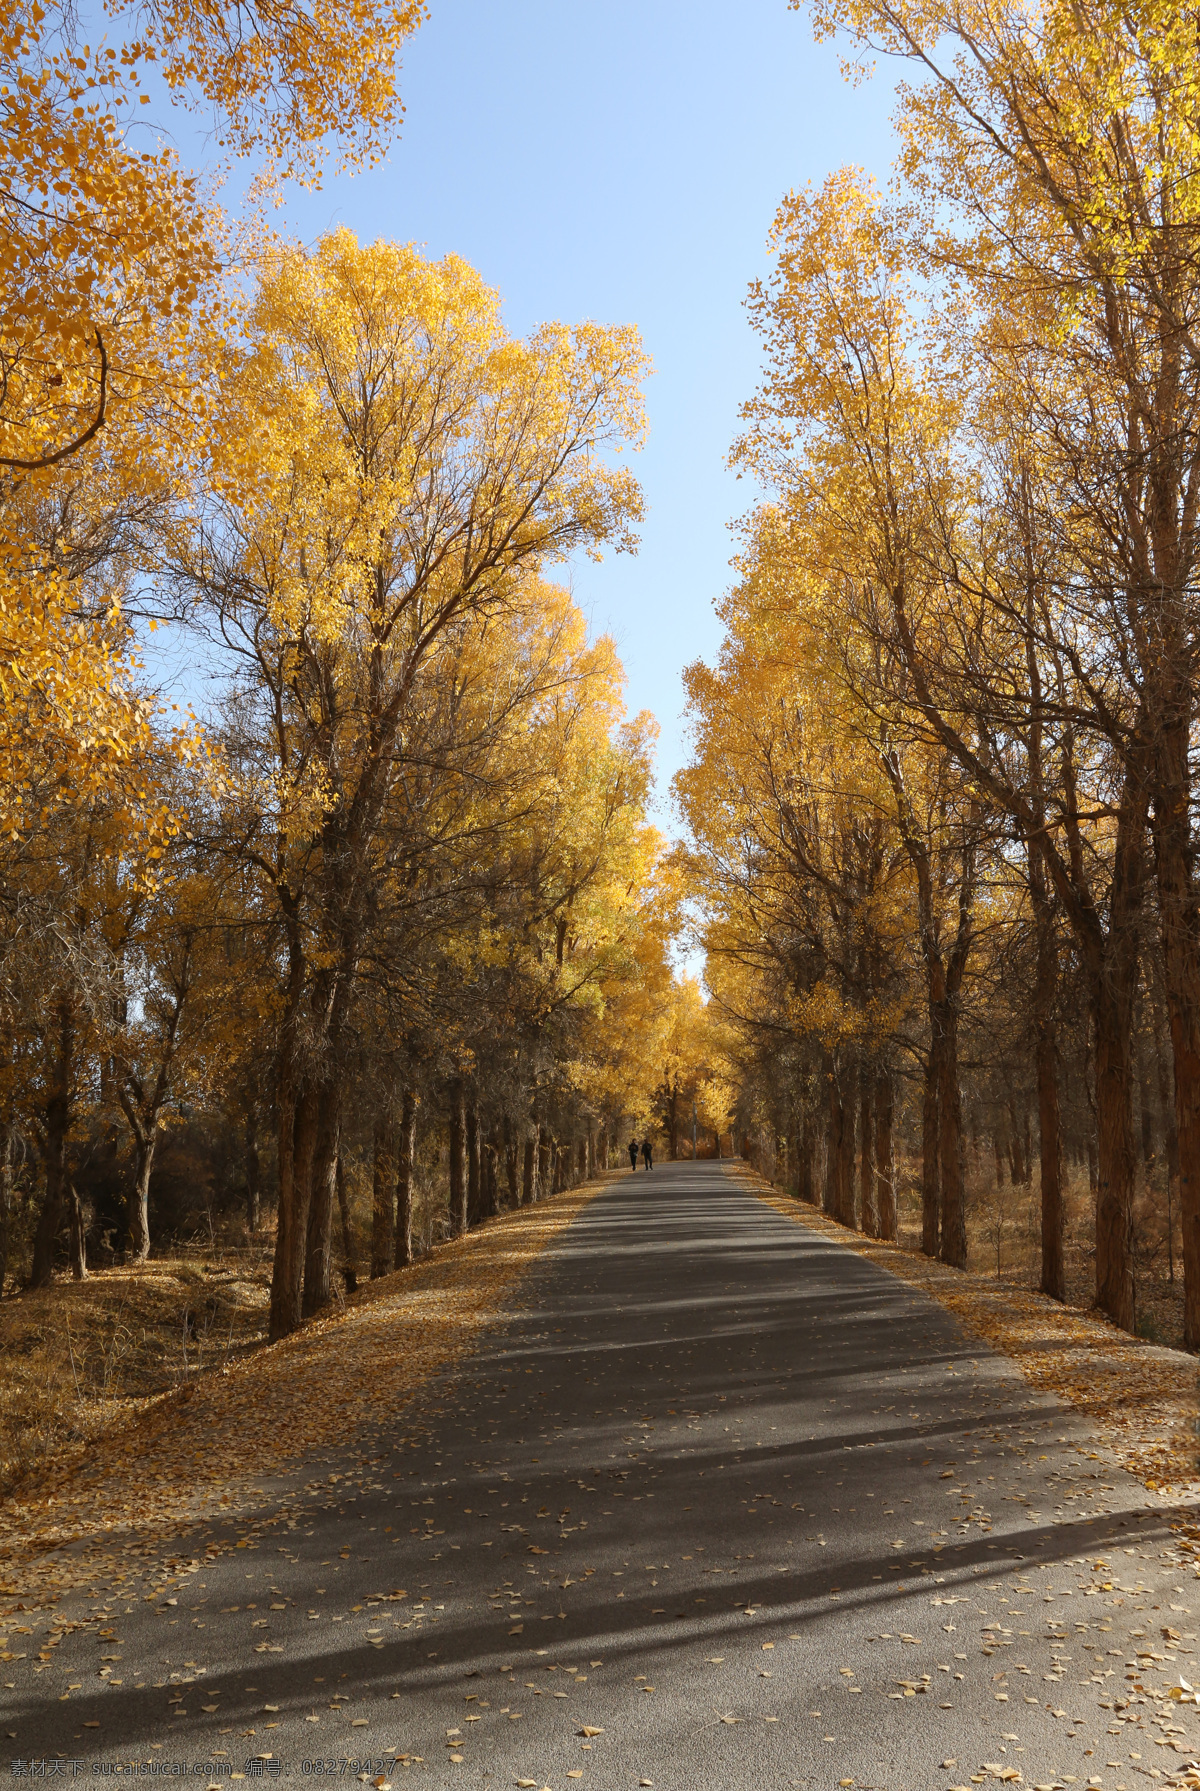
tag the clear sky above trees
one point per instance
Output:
(622, 161)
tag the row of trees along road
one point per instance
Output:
(396, 902)
(943, 793)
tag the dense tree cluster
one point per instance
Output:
(390, 931)
(943, 795)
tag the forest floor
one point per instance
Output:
(465, 1479)
(82, 1358)
(1015, 1258)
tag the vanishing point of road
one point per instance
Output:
(719, 1506)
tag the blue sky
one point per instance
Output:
(621, 161)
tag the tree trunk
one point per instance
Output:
(295, 1116)
(841, 1153)
(804, 1165)
(885, 1165)
(58, 1120)
(474, 1182)
(405, 1156)
(349, 1262)
(1113, 1021)
(866, 1142)
(491, 1179)
(529, 1171)
(1166, 1119)
(297, 1143)
(1054, 1282)
(458, 1158)
(78, 1235)
(1177, 905)
(829, 1188)
(930, 1158)
(1146, 1115)
(137, 1211)
(1016, 1158)
(253, 1173)
(383, 1210)
(954, 1218)
(544, 1166)
(6, 1190)
(510, 1163)
(318, 1290)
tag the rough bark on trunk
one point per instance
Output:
(458, 1158)
(510, 1163)
(1166, 1118)
(885, 1165)
(318, 1289)
(383, 1243)
(6, 1188)
(931, 1178)
(406, 1139)
(954, 1217)
(529, 1171)
(1018, 1168)
(491, 1179)
(866, 1146)
(349, 1265)
(841, 1153)
(77, 1233)
(137, 1210)
(1180, 926)
(1113, 967)
(1145, 1114)
(58, 1120)
(545, 1165)
(829, 1187)
(474, 1182)
(297, 1141)
(1045, 986)
(1113, 1019)
(804, 1163)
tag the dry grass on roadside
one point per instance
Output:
(82, 1357)
(202, 1447)
(1141, 1399)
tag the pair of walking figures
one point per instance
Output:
(647, 1153)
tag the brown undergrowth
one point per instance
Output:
(104, 1497)
(83, 1357)
(1141, 1399)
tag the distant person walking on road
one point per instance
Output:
(633, 1153)
(647, 1152)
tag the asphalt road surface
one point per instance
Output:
(721, 1506)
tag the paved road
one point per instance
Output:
(720, 1506)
